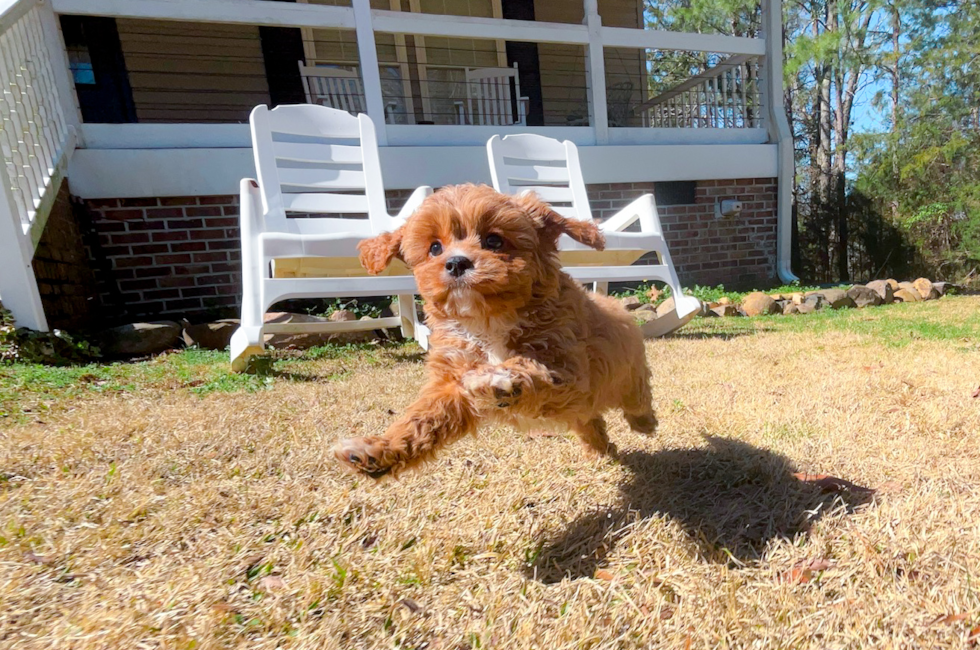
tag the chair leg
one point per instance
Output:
(246, 343)
(406, 312)
(601, 288)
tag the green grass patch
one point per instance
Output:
(29, 388)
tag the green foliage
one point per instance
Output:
(55, 348)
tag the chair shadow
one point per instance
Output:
(715, 335)
(731, 499)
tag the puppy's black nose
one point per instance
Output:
(458, 265)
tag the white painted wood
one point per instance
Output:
(165, 136)
(58, 59)
(12, 11)
(367, 50)
(663, 40)
(489, 97)
(455, 135)
(781, 134)
(595, 79)
(483, 28)
(132, 173)
(700, 136)
(18, 286)
(269, 232)
(239, 12)
(643, 211)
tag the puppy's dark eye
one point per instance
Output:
(435, 249)
(493, 242)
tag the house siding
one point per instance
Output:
(188, 72)
(180, 256)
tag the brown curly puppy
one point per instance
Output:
(514, 339)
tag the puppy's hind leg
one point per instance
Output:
(638, 406)
(440, 416)
(593, 435)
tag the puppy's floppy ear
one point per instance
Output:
(552, 225)
(376, 253)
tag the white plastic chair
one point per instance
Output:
(550, 168)
(488, 98)
(336, 88)
(314, 160)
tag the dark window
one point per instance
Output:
(96, 61)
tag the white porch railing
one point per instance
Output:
(37, 136)
(725, 96)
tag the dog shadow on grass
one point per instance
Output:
(731, 499)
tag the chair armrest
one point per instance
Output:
(413, 202)
(643, 209)
(251, 220)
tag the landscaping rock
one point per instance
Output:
(884, 290)
(807, 308)
(797, 298)
(644, 316)
(864, 296)
(814, 301)
(211, 336)
(924, 287)
(906, 295)
(790, 308)
(630, 302)
(757, 303)
(649, 306)
(139, 339)
(837, 298)
(341, 315)
(665, 307)
(726, 310)
(893, 284)
(942, 287)
(724, 300)
(705, 311)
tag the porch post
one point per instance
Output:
(780, 133)
(595, 74)
(18, 286)
(370, 72)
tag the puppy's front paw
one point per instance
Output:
(363, 455)
(492, 386)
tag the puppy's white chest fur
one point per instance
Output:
(489, 338)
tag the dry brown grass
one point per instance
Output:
(163, 519)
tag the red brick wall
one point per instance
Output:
(173, 257)
(739, 252)
(169, 256)
(65, 279)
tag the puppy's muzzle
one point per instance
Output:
(458, 265)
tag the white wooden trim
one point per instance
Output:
(595, 79)
(235, 136)
(425, 135)
(772, 71)
(367, 50)
(18, 286)
(165, 136)
(663, 40)
(13, 10)
(55, 42)
(242, 12)
(481, 28)
(649, 135)
(129, 173)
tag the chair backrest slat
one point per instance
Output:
(546, 166)
(317, 160)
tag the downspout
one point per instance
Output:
(780, 133)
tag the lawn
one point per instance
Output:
(168, 504)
